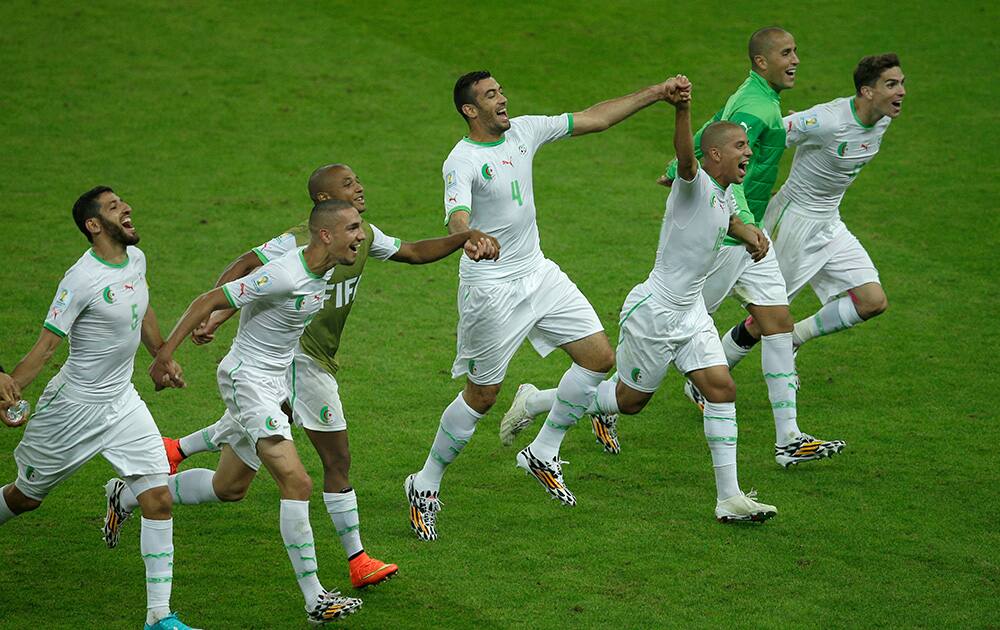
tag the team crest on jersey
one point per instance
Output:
(298, 302)
(487, 171)
(636, 375)
(325, 415)
(842, 149)
(109, 295)
(472, 367)
(271, 424)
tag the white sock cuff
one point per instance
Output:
(5, 512)
(724, 410)
(461, 400)
(848, 312)
(155, 524)
(777, 338)
(138, 484)
(588, 375)
(606, 398)
(291, 508)
(337, 502)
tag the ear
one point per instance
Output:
(867, 92)
(715, 154)
(93, 225)
(322, 196)
(470, 111)
(760, 61)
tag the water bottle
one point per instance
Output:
(18, 414)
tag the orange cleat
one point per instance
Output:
(174, 454)
(367, 571)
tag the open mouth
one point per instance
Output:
(127, 223)
(742, 167)
(360, 199)
(502, 115)
(354, 247)
(790, 73)
(897, 105)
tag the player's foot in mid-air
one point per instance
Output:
(174, 454)
(806, 448)
(743, 508)
(368, 571)
(517, 417)
(424, 506)
(116, 515)
(549, 474)
(170, 622)
(331, 606)
(694, 395)
(605, 428)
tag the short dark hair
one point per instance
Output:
(716, 134)
(762, 40)
(323, 209)
(871, 68)
(87, 207)
(463, 89)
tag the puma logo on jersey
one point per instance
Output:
(509, 163)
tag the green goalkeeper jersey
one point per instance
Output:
(756, 107)
(321, 338)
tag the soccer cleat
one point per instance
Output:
(331, 606)
(517, 417)
(424, 506)
(174, 454)
(170, 622)
(693, 394)
(116, 515)
(549, 474)
(605, 427)
(743, 508)
(367, 571)
(805, 449)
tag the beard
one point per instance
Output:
(116, 232)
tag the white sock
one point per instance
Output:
(574, 395)
(540, 402)
(734, 351)
(719, 420)
(188, 487)
(297, 534)
(458, 423)
(156, 542)
(343, 510)
(606, 401)
(5, 513)
(778, 365)
(835, 316)
(199, 441)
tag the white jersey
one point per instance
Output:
(278, 300)
(100, 307)
(832, 147)
(694, 226)
(382, 247)
(492, 182)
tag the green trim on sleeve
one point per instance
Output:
(51, 328)
(229, 297)
(447, 217)
(261, 255)
(569, 115)
(397, 243)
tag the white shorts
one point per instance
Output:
(735, 273)
(65, 434)
(653, 335)
(820, 252)
(493, 320)
(314, 396)
(253, 408)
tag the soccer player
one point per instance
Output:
(833, 143)
(91, 407)
(277, 300)
(488, 185)
(315, 404)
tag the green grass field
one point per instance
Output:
(208, 118)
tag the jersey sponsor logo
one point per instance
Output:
(243, 290)
(451, 180)
(746, 127)
(452, 199)
(129, 286)
(325, 415)
(108, 294)
(509, 162)
(865, 146)
(487, 171)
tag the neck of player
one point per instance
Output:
(318, 260)
(714, 170)
(109, 249)
(866, 111)
(477, 133)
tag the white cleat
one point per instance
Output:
(517, 418)
(743, 508)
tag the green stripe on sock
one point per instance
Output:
(783, 404)
(779, 374)
(438, 458)
(561, 427)
(453, 438)
(299, 576)
(582, 408)
(720, 418)
(348, 530)
(208, 442)
(730, 438)
(159, 580)
(165, 554)
(302, 546)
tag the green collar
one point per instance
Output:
(763, 86)
(306, 267)
(104, 262)
(854, 112)
(495, 143)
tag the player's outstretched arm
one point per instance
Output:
(750, 235)
(687, 163)
(205, 332)
(609, 113)
(477, 245)
(28, 368)
(164, 370)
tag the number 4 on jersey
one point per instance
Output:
(515, 192)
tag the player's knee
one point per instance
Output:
(481, 398)
(231, 493)
(604, 361)
(20, 504)
(873, 307)
(156, 503)
(721, 391)
(299, 486)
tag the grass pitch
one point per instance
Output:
(209, 118)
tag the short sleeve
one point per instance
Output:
(685, 191)
(458, 178)
(539, 130)
(72, 297)
(269, 281)
(383, 247)
(808, 127)
(275, 248)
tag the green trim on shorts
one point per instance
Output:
(632, 310)
(233, 385)
(51, 400)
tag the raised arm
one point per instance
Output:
(609, 113)
(687, 163)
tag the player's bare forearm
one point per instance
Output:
(28, 368)
(199, 310)
(433, 249)
(239, 268)
(150, 333)
(751, 236)
(687, 163)
(609, 113)
(458, 222)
